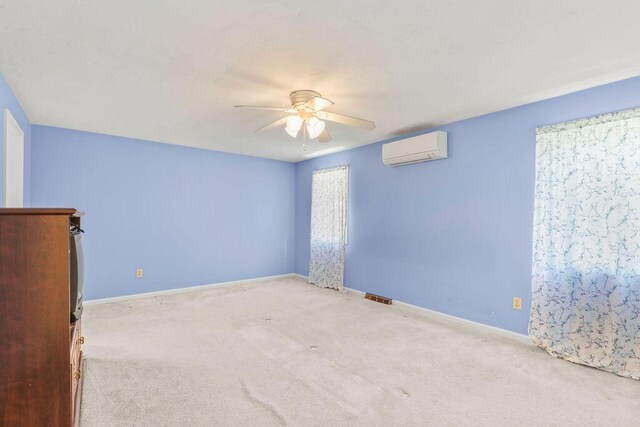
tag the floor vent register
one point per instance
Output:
(378, 298)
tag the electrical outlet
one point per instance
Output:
(138, 273)
(517, 303)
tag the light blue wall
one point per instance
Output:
(8, 100)
(186, 216)
(453, 235)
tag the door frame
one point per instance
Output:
(13, 162)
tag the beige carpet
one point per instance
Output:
(282, 352)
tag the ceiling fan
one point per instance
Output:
(307, 113)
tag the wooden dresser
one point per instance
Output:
(40, 349)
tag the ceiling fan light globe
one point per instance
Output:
(315, 127)
(291, 131)
(294, 123)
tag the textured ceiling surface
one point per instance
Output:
(172, 71)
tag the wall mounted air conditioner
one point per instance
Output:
(430, 146)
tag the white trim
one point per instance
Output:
(13, 162)
(460, 320)
(183, 290)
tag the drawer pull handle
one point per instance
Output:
(77, 375)
(81, 340)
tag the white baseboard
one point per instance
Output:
(460, 320)
(183, 290)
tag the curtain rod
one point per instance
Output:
(614, 116)
(344, 165)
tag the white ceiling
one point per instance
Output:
(171, 71)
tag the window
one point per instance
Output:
(586, 242)
(329, 199)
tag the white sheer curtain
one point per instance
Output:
(329, 195)
(586, 248)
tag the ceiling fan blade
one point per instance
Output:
(272, 125)
(256, 107)
(324, 136)
(318, 103)
(346, 120)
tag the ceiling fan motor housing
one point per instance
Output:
(300, 97)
